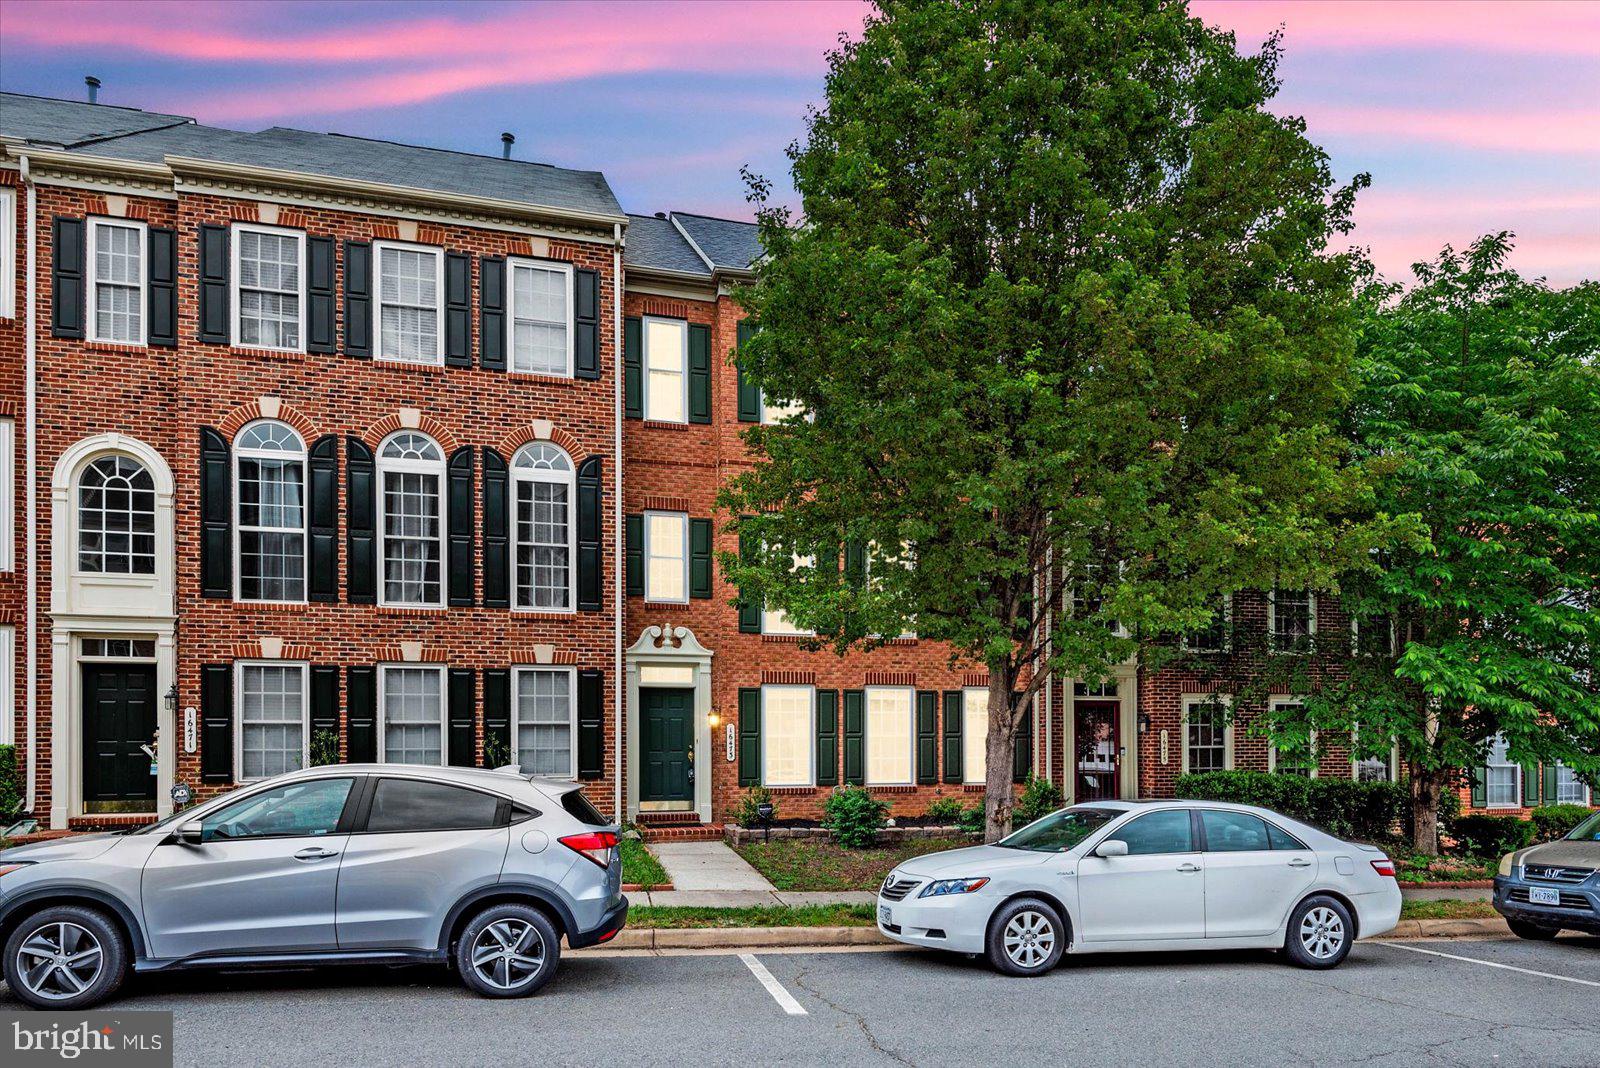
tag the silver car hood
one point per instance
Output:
(76, 847)
(973, 861)
(1563, 853)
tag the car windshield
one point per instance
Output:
(1587, 831)
(1059, 831)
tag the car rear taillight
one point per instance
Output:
(596, 845)
(1384, 867)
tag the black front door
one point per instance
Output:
(1098, 753)
(119, 716)
(667, 727)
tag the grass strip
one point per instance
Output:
(1449, 909)
(639, 865)
(682, 916)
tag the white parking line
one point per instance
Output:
(1492, 964)
(775, 988)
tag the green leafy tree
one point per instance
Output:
(1069, 339)
(1480, 402)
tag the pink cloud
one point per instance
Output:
(1553, 129)
(1541, 28)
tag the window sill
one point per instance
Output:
(900, 788)
(124, 346)
(272, 606)
(544, 611)
(974, 787)
(904, 640)
(789, 639)
(661, 424)
(266, 354)
(411, 610)
(793, 791)
(407, 365)
(666, 606)
(546, 378)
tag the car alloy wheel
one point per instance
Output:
(508, 953)
(1029, 938)
(59, 960)
(1322, 932)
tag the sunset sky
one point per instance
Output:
(1470, 116)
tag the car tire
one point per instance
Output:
(78, 957)
(1026, 937)
(507, 951)
(1532, 931)
(1321, 932)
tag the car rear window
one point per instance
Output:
(578, 808)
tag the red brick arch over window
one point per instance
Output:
(245, 414)
(428, 425)
(524, 434)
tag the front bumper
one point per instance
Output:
(955, 921)
(612, 922)
(1579, 909)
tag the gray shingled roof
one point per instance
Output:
(655, 244)
(728, 244)
(329, 155)
(62, 123)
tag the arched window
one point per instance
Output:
(270, 488)
(116, 518)
(411, 479)
(542, 547)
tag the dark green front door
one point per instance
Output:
(667, 727)
(119, 716)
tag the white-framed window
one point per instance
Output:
(1384, 768)
(411, 534)
(545, 725)
(666, 369)
(1291, 620)
(1372, 637)
(543, 541)
(269, 470)
(540, 309)
(411, 710)
(891, 736)
(409, 315)
(117, 281)
(1216, 637)
(269, 280)
(272, 709)
(974, 734)
(788, 734)
(116, 517)
(875, 561)
(8, 684)
(1303, 762)
(8, 253)
(775, 620)
(8, 489)
(1501, 778)
(1207, 734)
(666, 557)
(1570, 790)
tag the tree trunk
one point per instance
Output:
(998, 747)
(1425, 811)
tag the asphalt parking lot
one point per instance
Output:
(1433, 1001)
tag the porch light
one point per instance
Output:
(713, 720)
(171, 698)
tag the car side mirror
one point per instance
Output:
(191, 833)
(1114, 847)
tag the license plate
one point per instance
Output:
(1538, 895)
(885, 917)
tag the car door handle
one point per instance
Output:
(316, 853)
(1299, 862)
(1188, 868)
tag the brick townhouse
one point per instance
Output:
(332, 448)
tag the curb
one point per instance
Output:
(651, 938)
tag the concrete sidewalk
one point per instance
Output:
(702, 866)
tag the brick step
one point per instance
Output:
(683, 832)
(39, 836)
(111, 821)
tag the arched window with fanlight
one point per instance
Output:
(542, 545)
(410, 479)
(270, 481)
(116, 518)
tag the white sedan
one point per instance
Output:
(1145, 875)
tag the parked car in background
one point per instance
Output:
(1552, 887)
(485, 871)
(1130, 875)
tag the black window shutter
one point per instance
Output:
(750, 737)
(699, 373)
(855, 563)
(633, 554)
(457, 309)
(497, 713)
(216, 516)
(361, 528)
(358, 299)
(633, 367)
(459, 476)
(827, 737)
(321, 314)
(216, 723)
(67, 278)
(214, 326)
(322, 582)
(1022, 757)
(749, 392)
(700, 558)
(591, 564)
(591, 725)
(162, 294)
(492, 313)
(496, 532)
(749, 607)
(586, 323)
(361, 714)
(1530, 786)
(462, 713)
(927, 737)
(954, 721)
(855, 715)
(1480, 787)
(325, 698)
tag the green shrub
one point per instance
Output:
(324, 748)
(972, 819)
(854, 816)
(1490, 836)
(10, 784)
(745, 814)
(1040, 797)
(496, 751)
(1555, 821)
(1343, 807)
(944, 810)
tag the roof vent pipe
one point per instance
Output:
(94, 88)
(506, 141)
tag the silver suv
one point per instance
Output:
(483, 870)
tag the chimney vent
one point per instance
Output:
(661, 215)
(506, 141)
(94, 88)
